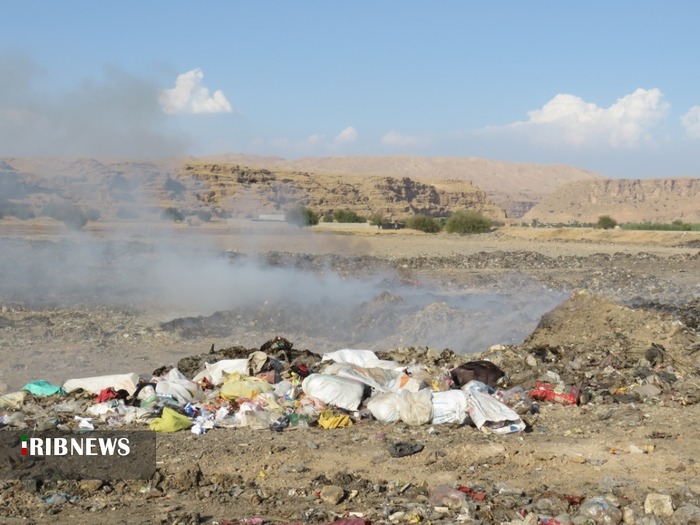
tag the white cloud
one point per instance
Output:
(190, 96)
(394, 138)
(571, 120)
(347, 136)
(315, 139)
(691, 122)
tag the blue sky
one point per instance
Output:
(607, 86)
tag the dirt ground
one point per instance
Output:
(619, 294)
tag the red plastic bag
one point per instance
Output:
(555, 393)
(107, 394)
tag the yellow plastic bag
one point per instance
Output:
(235, 387)
(170, 421)
(332, 419)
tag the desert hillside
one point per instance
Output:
(132, 190)
(515, 187)
(626, 200)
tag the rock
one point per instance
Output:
(647, 391)
(686, 515)
(432, 354)
(332, 494)
(295, 469)
(659, 505)
(90, 486)
(629, 516)
(187, 478)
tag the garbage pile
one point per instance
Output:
(588, 350)
(277, 387)
(605, 353)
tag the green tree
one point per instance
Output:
(468, 222)
(347, 216)
(423, 223)
(71, 215)
(302, 216)
(376, 219)
(606, 222)
(172, 214)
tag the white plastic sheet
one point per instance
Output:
(95, 385)
(489, 413)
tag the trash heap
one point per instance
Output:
(588, 350)
(277, 387)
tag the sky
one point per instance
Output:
(611, 87)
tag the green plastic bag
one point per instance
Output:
(170, 421)
(42, 388)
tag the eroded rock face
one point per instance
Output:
(627, 200)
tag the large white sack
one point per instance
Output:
(364, 358)
(176, 390)
(449, 406)
(489, 412)
(216, 373)
(177, 377)
(380, 379)
(95, 385)
(385, 407)
(334, 390)
(350, 356)
(416, 408)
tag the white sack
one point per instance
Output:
(416, 408)
(385, 407)
(364, 358)
(216, 373)
(95, 385)
(334, 390)
(449, 406)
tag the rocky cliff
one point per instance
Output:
(626, 200)
(131, 190)
(248, 191)
(515, 187)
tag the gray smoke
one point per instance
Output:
(117, 115)
(206, 294)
